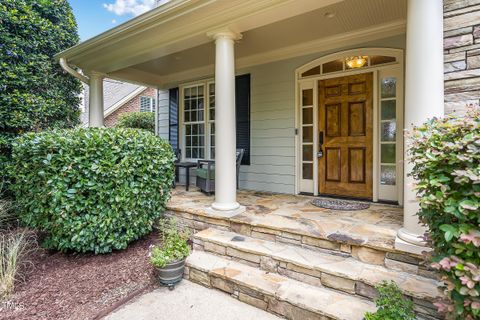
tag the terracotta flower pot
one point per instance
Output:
(172, 273)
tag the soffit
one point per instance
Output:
(349, 16)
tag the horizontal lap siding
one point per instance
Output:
(272, 119)
(163, 114)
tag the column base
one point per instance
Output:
(224, 211)
(411, 243)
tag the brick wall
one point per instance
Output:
(462, 53)
(131, 106)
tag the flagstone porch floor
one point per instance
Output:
(375, 227)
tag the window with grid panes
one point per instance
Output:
(194, 121)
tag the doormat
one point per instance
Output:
(339, 204)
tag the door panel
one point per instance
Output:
(346, 120)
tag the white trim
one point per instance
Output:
(124, 100)
(395, 68)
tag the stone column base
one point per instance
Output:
(225, 213)
(410, 247)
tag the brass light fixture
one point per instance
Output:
(356, 61)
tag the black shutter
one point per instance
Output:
(173, 118)
(242, 103)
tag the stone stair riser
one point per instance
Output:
(392, 260)
(306, 275)
(252, 297)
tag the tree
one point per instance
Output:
(35, 93)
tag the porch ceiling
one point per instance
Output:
(170, 43)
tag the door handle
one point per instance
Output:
(320, 144)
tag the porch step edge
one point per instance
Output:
(272, 292)
(323, 269)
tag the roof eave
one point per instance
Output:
(152, 17)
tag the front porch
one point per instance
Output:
(286, 256)
(293, 219)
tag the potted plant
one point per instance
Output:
(169, 257)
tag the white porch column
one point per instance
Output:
(95, 109)
(423, 99)
(225, 132)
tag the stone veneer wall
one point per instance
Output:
(462, 53)
(131, 106)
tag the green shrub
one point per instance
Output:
(391, 304)
(446, 157)
(175, 244)
(91, 189)
(138, 120)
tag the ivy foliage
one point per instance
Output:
(91, 189)
(138, 120)
(446, 157)
(35, 94)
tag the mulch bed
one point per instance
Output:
(80, 286)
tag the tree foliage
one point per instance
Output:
(446, 157)
(35, 93)
(138, 120)
(91, 189)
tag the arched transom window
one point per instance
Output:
(350, 60)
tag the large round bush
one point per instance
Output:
(91, 189)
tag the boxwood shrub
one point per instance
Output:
(91, 190)
(446, 157)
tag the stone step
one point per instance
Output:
(316, 268)
(272, 292)
(368, 243)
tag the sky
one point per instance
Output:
(96, 16)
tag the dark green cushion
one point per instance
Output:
(202, 173)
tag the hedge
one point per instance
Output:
(446, 157)
(137, 120)
(91, 189)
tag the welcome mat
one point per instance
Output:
(339, 204)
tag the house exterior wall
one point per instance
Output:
(131, 106)
(272, 119)
(162, 115)
(462, 54)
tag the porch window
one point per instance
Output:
(198, 129)
(211, 118)
(341, 64)
(388, 130)
(194, 120)
(307, 133)
(147, 104)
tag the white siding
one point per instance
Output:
(163, 114)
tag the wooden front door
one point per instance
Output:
(346, 136)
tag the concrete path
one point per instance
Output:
(188, 301)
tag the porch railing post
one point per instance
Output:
(424, 99)
(95, 108)
(225, 132)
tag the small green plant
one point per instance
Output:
(137, 120)
(175, 244)
(391, 305)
